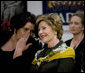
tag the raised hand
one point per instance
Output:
(21, 45)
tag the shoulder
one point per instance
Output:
(81, 45)
(82, 41)
(68, 41)
(66, 51)
(66, 65)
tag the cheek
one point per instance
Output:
(50, 34)
(77, 27)
(81, 28)
(70, 26)
(20, 33)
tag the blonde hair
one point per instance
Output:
(54, 21)
(81, 15)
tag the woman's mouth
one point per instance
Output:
(42, 37)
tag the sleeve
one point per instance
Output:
(66, 65)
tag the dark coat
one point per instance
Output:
(65, 64)
(21, 63)
(59, 65)
(79, 52)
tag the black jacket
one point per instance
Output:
(59, 65)
(79, 56)
(21, 63)
(55, 65)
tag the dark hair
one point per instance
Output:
(18, 21)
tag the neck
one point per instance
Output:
(10, 45)
(53, 43)
(78, 36)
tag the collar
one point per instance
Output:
(57, 45)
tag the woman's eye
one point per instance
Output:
(70, 22)
(76, 23)
(44, 28)
(26, 29)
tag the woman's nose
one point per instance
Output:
(40, 32)
(72, 25)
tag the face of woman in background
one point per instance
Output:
(76, 25)
(45, 32)
(29, 27)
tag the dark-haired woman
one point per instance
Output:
(56, 56)
(12, 58)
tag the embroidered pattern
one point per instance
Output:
(60, 49)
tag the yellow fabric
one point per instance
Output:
(68, 53)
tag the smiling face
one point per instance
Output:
(28, 27)
(76, 26)
(45, 32)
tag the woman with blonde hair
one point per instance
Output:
(76, 27)
(56, 55)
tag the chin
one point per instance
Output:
(44, 41)
(73, 32)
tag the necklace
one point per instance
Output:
(76, 45)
